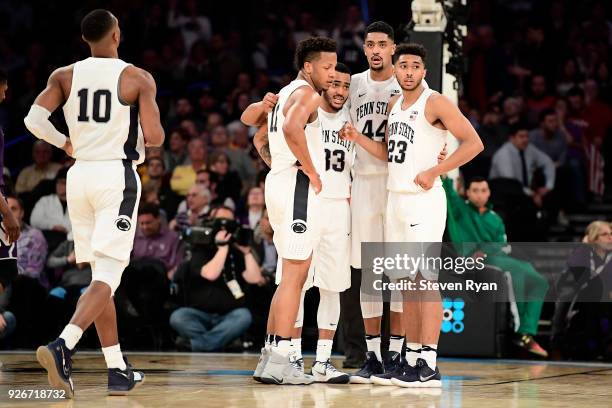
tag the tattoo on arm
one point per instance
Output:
(264, 152)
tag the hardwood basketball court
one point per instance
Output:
(224, 380)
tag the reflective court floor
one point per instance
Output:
(224, 380)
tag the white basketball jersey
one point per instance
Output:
(282, 157)
(413, 145)
(101, 126)
(336, 178)
(368, 101)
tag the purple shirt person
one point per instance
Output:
(3, 88)
(157, 241)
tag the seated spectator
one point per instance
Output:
(512, 115)
(71, 274)
(255, 207)
(580, 327)
(198, 206)
(238, 152)
(264, 246)
(31, 246)
(519, 160)
(177, 155)
(184, 176)
(42, 169)
(50, 214)
(215, 281)
(8, 323)
(538, 100)
(549, 138)
(156, 178)
(154, 240)
(228, 183)
(473, 221)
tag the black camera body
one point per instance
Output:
(204, 233)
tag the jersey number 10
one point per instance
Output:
(98, 116)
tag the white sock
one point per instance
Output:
(373, 343)
(413, 352)
(297, 347)
(396, 343)
(283, 347)
(71, 335)
(324, 349)
(113, 357)
(429, 354)
(269, 342)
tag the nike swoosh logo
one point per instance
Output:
(64, 363)
(332, 324)
(414, 225)
(125, 375)
(423, 379)
(360, 95)
(280, 381)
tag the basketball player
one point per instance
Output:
(292, 188)
(9, 227)
(418, 121)
(108, 105)
(369, 94)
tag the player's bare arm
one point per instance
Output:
(9, 222)
(53, 96)
(257, 113)
(439, 109)
(300, 106)
(138, 88)
(262, 144)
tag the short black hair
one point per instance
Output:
(380, 27)
(148, 208)
(475, 179)
(515, 128)
(410, 49)
(340, 67)
(545, 112)
(3, 76)
(309, 49)
(96, 24)
(217, 208)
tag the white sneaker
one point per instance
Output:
(279, 370)
(298, 363)
(263, 359)
(325, 372)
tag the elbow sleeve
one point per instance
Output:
(37, 122)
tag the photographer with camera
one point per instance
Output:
(214, 282)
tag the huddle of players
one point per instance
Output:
(310, 143)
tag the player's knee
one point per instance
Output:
(328, 312)
(108, 270)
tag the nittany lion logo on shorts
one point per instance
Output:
(299, 226)
(123, 223)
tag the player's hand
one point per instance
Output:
(442, 154)
(222, 237)
(425, 179)
(2, 322)
(68, 147)
(348, 132)
(12, 227)
(269, 102)
(315, 180)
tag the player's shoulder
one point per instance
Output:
(62, 73)
(138, 73)
(358, 79)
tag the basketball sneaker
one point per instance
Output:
(263, 360)
(394, 366)
(121, 382)
(298, 363)
(371, 367)
(325, 372)
(56, 358)
(528, 343)
(280, 370)
(419, 376)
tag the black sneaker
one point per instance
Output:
(371, 367)
(56, 358)
(394, 366)
(121, 382)
(409, 377)
(429, 378)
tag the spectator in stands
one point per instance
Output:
(50, 214)
(539, 99)
(474, 223)
(263, 234)
(519, 160)
(256, 206)
(192, 25)
(70, 273)
(238, 152)
(228, 182)
(215, 281)
(8, 323)
(42, 169)
(154, 240)
(184, 176)
(177, 155)
(31, 246)
(549, 137)
(580, 328)
(156, 180)
(512, 115)
(198, 200)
